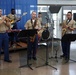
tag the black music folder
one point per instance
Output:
(69, 37)
(27, 33)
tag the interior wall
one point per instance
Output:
(20, 6)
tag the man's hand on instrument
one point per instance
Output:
(65, 26)
(4, 17)
(71, 28)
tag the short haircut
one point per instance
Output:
(33, 11)
(70, 12)
(39, 13)
(12, 9)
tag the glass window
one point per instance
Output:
(64, 17)
(43, 8)
(65, 11)
(73, 11)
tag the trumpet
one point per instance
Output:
(7, 19)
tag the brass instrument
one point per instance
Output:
(32, 38)
(64, 31)
(39, 33)
(7, 19)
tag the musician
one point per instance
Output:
(33, 23)
(14, 19)
(4, 39)
(40, 17)
(67, 26)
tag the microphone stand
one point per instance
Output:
(46, 62)
(52, 40)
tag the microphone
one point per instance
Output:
(46, 17)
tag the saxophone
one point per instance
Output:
(64, 30)
(32, 38)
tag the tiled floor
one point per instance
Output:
(19, 59)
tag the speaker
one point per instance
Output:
(74, 16)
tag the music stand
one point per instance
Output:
(27, 34)
(69, 37)
(45, 37)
